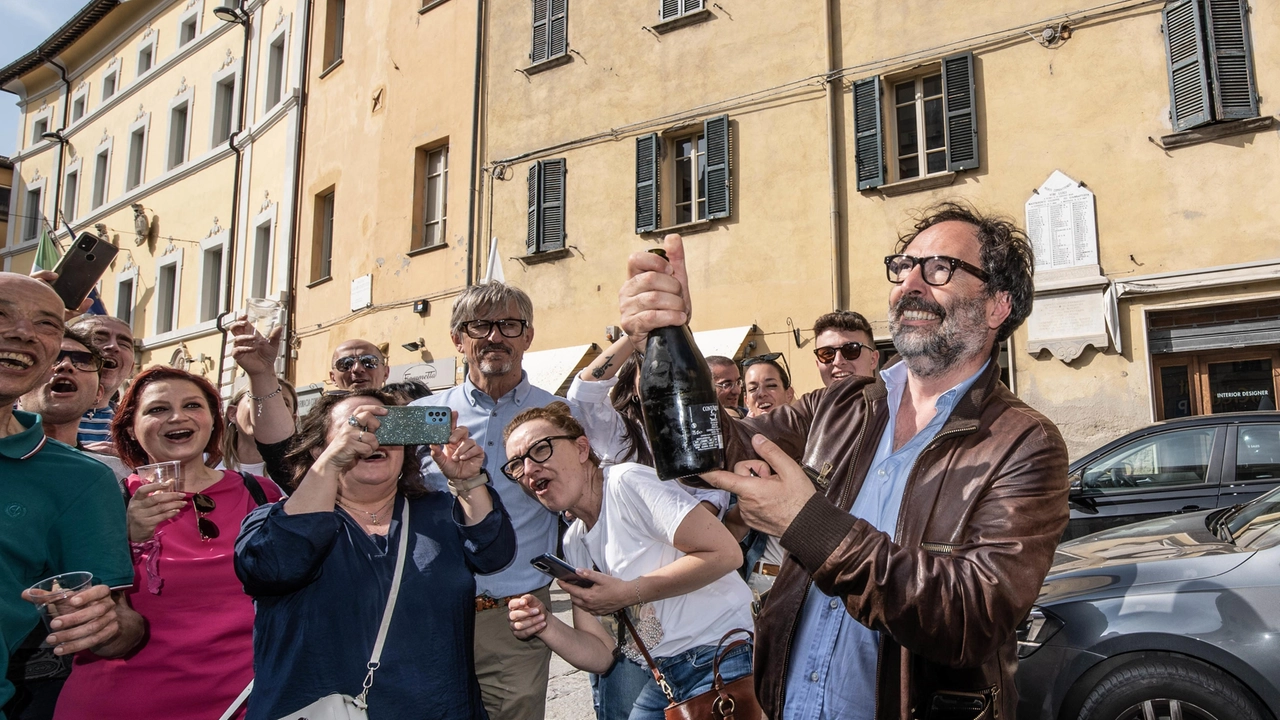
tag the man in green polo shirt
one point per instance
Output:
(59, 511)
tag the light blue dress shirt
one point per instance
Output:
(535, 526)
(835, 678)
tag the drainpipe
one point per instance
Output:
(298, 158)
(833, 155)
(62, 146)
(475, 147)
(229, 252)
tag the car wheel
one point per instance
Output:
(1169, 688)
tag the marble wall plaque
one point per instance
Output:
(1062, 224)
(1066, 323)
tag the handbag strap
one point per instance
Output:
(374, 659)
(653, 666)
(235, 705)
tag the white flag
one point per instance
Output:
(495, 264)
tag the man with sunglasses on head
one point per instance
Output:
(358, 365)
(114, 339)
(843, 347)
(927, 503)
(492, 326)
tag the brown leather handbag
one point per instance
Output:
(735, 700)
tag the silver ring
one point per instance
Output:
(360, 437)
(352, 421)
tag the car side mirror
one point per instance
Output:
(1076, 496)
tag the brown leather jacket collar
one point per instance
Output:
(983, 510)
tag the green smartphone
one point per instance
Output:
(415, 425)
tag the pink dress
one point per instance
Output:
(198, 655)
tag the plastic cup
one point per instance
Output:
(263, 314)
(165, 472)
(53, 594)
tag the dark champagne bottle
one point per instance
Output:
(681, 412)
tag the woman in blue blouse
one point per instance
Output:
(320, 566)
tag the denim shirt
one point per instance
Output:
(536, 527)
(819, 686)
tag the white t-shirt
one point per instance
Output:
(608, 433)
(635, 535)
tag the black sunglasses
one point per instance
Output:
(205, 505)
(508, 327)
(539, 452)
(849, 351)
(936, 269)
(344, 364)
(80, 360)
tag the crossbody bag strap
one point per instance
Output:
(653, 666)
(235, 705)
(374, 659)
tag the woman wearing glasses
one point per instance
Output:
(661, 557)
(321, 567)
(198, 652)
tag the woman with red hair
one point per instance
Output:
(198, 653)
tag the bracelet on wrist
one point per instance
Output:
(463, 488)
(258, 399)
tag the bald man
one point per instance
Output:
(358, 365)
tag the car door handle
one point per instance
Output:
(1189, 508)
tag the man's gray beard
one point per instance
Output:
(961, 336)
(491, 367)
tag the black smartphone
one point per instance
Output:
(415, 425)
(560, 570)
(81, 268)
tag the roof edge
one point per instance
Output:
(60, 40)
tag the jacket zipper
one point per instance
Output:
(940, 548)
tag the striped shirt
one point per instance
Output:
(95, 426)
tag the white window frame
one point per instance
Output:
(113, 74)
(31, 215)
(144, 124)
(81, 96)
(443, 220)
(890, 100)
(196, 13)
(232, 71)
(188, 98)
(129, 275)
(149, 41)
(106, 148)
(263, 219)
(45, 115)
(174, 258)
(217, 241)
(671, 176)
(281, 35)
(73, 168)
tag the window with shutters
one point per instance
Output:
(550, 33)
(675, 14)
(546, 206)
(915, 126)
(322, 238)
(1211, 76)
(683, 178)
(430, 201)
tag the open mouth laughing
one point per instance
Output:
(63, 385)
(16, 360)
(179, 435)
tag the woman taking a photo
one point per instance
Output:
(321, 565)
(197, 655)
(659, 554)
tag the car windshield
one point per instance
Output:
(1252, 521)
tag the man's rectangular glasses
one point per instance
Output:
(850, 351)
(509, 327)
(344, 364)
(936, 270)
(80, 360)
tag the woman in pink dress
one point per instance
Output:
(197, 655)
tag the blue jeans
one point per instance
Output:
(688, 674)
(615, 692)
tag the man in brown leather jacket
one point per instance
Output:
(939, 495)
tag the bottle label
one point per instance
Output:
(704, 427)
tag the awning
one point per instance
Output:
(726, 342)
(553, 370)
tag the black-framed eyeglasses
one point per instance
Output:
(80, 360)
(935, 269)
(508, 327)
(205, 505)
(369, 361)
(850, 351)
(538, 452)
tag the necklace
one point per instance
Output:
(373, 516)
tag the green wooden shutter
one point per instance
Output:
(648, 158)
(551, 207)
(868, 143)
(670, 9)
(540, 27)
(558, 25)
(962, 112)
(1188, 67)
(1235, 90)
(532, 236)
(719, 195)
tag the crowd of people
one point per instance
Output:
(879, 538)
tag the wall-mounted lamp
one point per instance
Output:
(54, 136)
(415, 346)
(227, 13)
(422, 307)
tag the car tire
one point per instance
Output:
(1203, 692)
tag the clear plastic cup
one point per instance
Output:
(263, 314)
(165, 472)
(53, 595)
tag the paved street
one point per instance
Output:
(568, 693)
